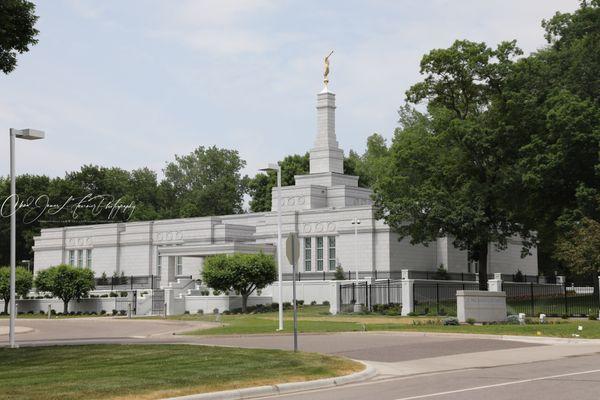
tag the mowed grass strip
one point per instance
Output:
(314, 319)
(152, 371)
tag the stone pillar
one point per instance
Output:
(168, 271)
(495, 285)
(334, 295)
(407, 296)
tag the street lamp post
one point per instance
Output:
(356, 222)
(28, 134)
(277, 167)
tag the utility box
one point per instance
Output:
(482, 306)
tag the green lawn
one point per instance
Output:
(152, 371)
(316, 319)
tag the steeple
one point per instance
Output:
(326, 156)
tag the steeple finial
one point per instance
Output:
(326, 71)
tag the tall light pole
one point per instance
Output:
(277, 167)
(356, 222)
(28, 134)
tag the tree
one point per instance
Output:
(261, 185)
(580, 248)
(451, 171)
(242, 273)
(554, 104)
(205, 182)
(23, 283)
(17, 19)
(65, 282)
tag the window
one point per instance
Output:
(71, 257)
(307, 253)
(158, 265)
(88, 262)
(79, 258)
(319, 253)
(331, 252)
(179, 265)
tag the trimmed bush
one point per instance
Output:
(450, 321)
(471, 321)
(512, 319)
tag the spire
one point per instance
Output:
(326, 156)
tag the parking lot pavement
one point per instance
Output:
(382, 347)
(96, 328)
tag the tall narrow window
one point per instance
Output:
(72, 257)
(331, 252)
(88, 262)
(307, 253)
(158, 265)
(80, 258)
(179, 265)
(319, 253)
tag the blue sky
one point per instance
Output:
(131, 83)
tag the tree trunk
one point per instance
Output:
(6, 306)
(65, 306)
(482, 251)
(244, 303)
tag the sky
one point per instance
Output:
(132, 83)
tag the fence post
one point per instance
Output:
(408, 305)
(437, 298)
(388, 291)
(367, 295)
(131, 282)
(375, 274)
(532, 299)
(353, 293)
(323, 273)
(566, 298)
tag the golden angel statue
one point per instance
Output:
(326, 72)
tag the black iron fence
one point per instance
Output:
(553, 299)
(438, 298)
(347, 275)
(128, 282)
(383, 292)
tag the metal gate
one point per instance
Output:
(123, 303)
(158, 302)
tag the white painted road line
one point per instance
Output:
(424, 396)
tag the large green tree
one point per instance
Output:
(65, 282)
(240, 273)
(17, 31)
(450, 171)
(207, 181)
(554, 103)
(23, 284)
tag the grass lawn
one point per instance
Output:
(152, 371)
(314, 319)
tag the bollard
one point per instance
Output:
(49, 310)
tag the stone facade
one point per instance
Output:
(319, 209)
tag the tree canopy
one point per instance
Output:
(65, 282)
(23, 284)
(240, 273)
(18, 33)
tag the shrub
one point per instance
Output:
(123, 312)
(313, 303)
(300, 302)
(216, 292)
(519, 277)
(104, 295)
(287, 305)
(200, 312)
(339, 274)
(30, 312)
(441, 273)
(53, 312)
(471, 321)
(114, 312)
(565, 316)
(113, 294)
(592, 317)
(204, 292)
(186, 312)
(42, 312)
(124, 294)
(512, 319)
(325, 303)
(102, 312)
(450, 321)
(412, 314)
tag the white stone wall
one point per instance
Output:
(404, 255)
(509, 261)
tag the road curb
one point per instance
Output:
(283, 388)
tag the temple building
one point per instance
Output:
(333, 217)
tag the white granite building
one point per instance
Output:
(320, 209)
